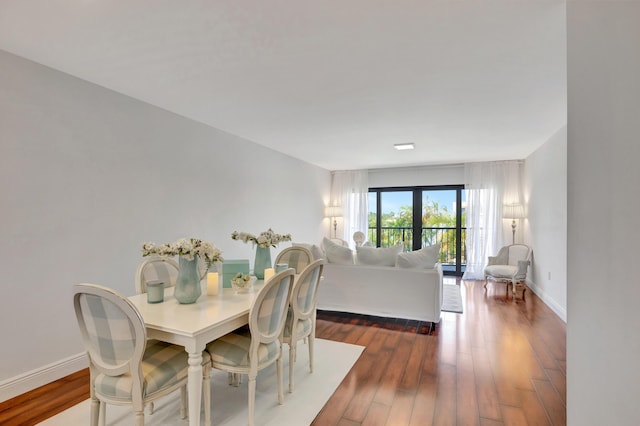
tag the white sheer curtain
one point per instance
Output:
(350, 189)
(489, 186)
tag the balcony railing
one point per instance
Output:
(391, 235)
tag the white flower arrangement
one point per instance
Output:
(241, 281)
(188, 248)
(265, 239)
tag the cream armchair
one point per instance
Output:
(509, 265)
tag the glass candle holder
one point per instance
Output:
(155, 291)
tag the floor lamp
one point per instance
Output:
(513, 211)
(333, 212)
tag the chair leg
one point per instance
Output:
(139, 418)
(312, 339)
(518, 290)
(235, 379)
(280, 385)
(292, 360)
(252, 399)
(95, 411)
(183, 402)
(103, 414)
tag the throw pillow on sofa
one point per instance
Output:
(425, 258)
(337, 253)
(383, 256)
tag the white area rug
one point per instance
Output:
(451, 298)
(333, 361)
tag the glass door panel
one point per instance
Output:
(372, 234)
(396, 218)
(442, 224)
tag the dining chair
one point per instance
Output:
(124, 368)
(296, 257)
(301, 320)
(152, 268)
(248, 351)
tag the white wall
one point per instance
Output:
(603, 348)
(87, 175)
(545, 193)
(417, 176)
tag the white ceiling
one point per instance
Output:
(334, 83)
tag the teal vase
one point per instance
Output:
(262, 261)
(188, 282)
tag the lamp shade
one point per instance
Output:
(513, 211)
(333, 211)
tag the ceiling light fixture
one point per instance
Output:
(403, 146)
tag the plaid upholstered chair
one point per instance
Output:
(301, 319)
(125, 369)
(248, 351)
(153, 268)
(296, 257)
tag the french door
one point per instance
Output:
(421, 216)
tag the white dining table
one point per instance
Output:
(193, 326)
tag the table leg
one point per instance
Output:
(194, 387)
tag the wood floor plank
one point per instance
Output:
(467, 413)
(333, 411)
(559, 381)
(401, 409)
(533, 410)
(394, 371)
(488, 403)
(513, 416)
(343, 422)
(490, 422)
(424, 404)
(370, 374)
(377, 415)
(446, 398)
(413, 368)
(553, 404)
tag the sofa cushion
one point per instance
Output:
(337, 253)
(383, 256)
(425, 258)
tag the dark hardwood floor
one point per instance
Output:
(502, 362)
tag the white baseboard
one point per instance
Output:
(552, 304)
(33, 379)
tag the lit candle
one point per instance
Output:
(268, 273)
(212, 283)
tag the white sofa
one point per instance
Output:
(385, 291)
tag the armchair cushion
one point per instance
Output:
(501, 271)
